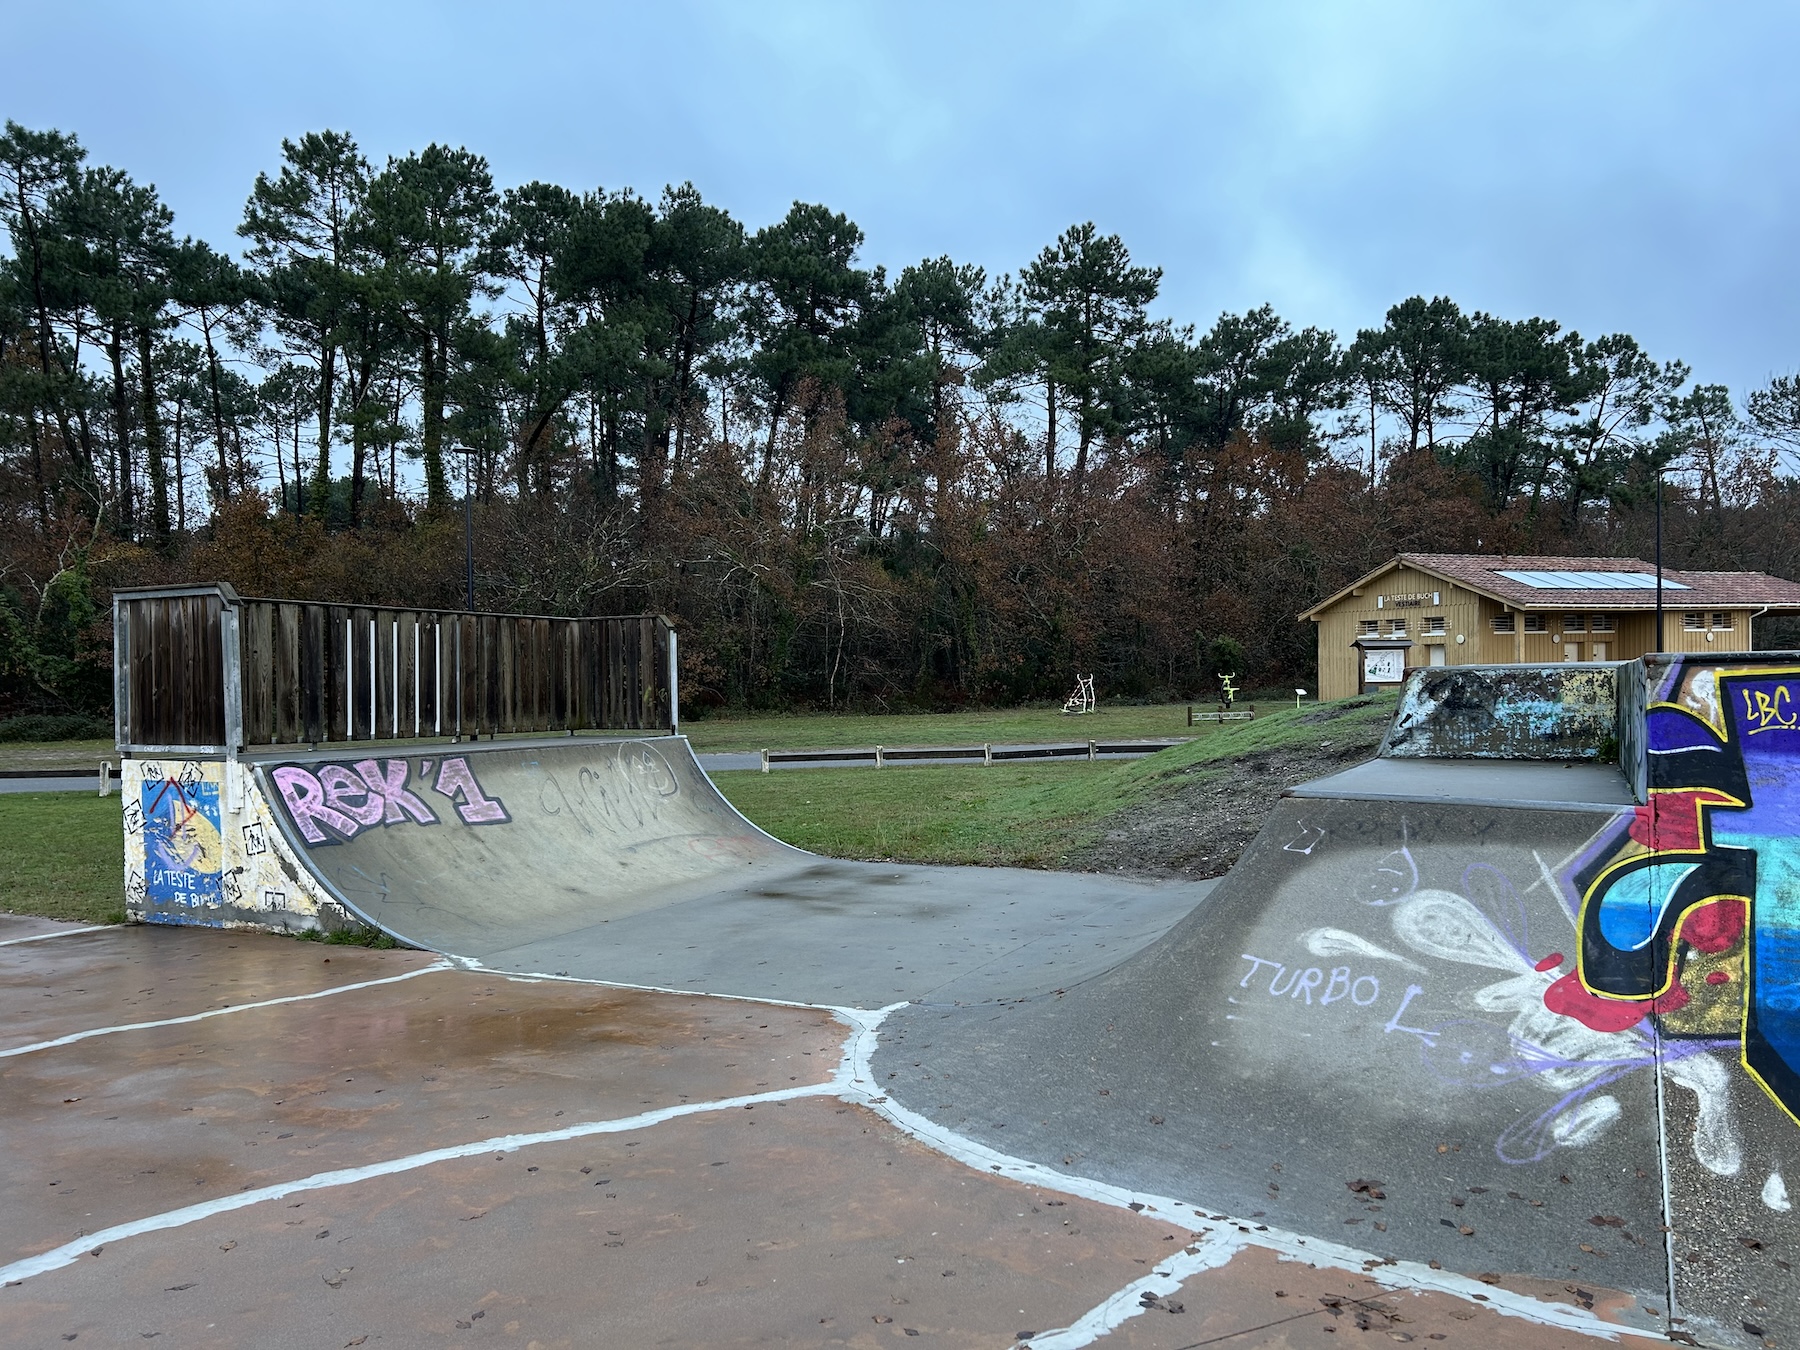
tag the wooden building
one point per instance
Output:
(1453, 609)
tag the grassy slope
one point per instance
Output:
(819, 731)
(62, 855)
(1029, 815)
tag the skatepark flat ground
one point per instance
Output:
(235, 1139)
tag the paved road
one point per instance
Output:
(89, 782)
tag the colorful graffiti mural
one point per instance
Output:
(332, 803)
(1690, 908)
(178, 816)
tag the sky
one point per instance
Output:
(1619, 167)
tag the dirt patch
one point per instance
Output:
(1213, 810)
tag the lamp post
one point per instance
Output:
(1659, 577)
(468, 453)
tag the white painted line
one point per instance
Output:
(61, 932)
(1223, 1229)
(74, 1036)
(1222, 1236)
(70, 1252)
(1106, 1315)
(1218, 1236)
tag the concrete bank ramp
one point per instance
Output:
(1371, 1032)
(619, 860)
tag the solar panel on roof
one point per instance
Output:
(1592, 581)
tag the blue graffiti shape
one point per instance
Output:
(1723, 824)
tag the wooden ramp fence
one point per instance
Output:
(202, 669)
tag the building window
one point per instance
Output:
(1722, 620)
(1365, 628)
(1434, 623)
(1397, 627)
(1503, 623)
(1600, 623)
(1534, 623)
(1574, 623)
(1694, 621)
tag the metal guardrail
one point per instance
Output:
(988, 753)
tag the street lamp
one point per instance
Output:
(1659, 577)
(468, 452)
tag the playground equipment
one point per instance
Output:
(1082, 700)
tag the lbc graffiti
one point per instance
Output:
(337, 802)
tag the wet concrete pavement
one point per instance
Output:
(437, 1156)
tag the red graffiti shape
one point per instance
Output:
(1671, 821)
(1715, 926)
(1570, 998)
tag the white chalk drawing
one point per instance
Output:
(1395, 877)
(1486, 926)
(1774, 1194)
(1330, 942)
(1312, 834)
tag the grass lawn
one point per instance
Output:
(822, 731)
(61, 852)
(1026, 815)
(84, 756)
(62, 855)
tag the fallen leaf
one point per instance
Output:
(1488, 1278)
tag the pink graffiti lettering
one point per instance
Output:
(456, 779)
(345, 791)
(388, 780)
(304, 797)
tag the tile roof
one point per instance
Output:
(1483, 572)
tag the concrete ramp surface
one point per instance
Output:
(619, 860)
(1373, 1030)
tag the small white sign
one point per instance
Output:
(1386, 666)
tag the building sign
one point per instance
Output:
(1409, 601)
(1384, 666)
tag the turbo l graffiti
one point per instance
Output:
(1529, 1023)
(333, 803)
(1691, 908)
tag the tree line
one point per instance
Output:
(847, 487)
